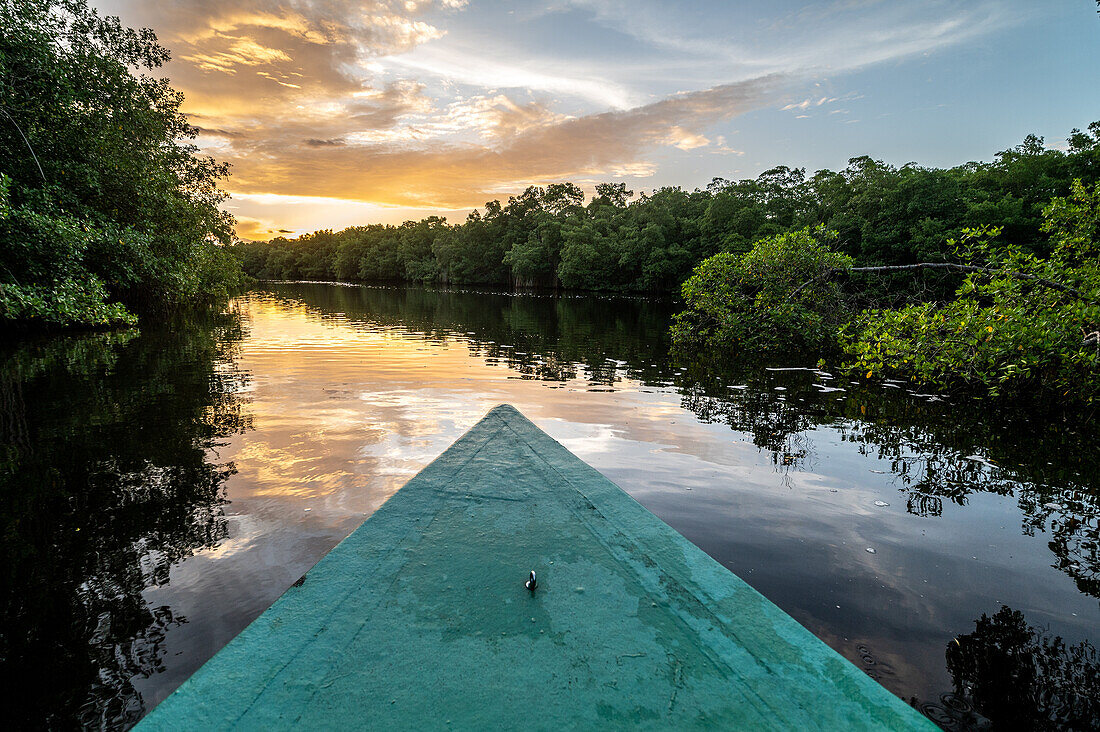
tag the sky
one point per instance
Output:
(334, 113)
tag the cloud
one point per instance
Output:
(254, 229)
(807, 103)
(542, 148)
(238, 57)
(266, 215)
(359, 106)
(721, 148)
(475, 68)
(685, 139)
(818, 103)
(240, 52)
(833, 37)
(213, 132)
(291, 94)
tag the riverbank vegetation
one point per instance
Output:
(551, 237)
(980, 276)
(106, 210)
(1018, 322)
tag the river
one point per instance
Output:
(163, 487)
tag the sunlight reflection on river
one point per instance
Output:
(346, 409)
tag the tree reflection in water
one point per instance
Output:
(1020, 676)
(938, 453)
(109, 475)
(540, 337)
(937, 450)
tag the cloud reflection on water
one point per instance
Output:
(352, 395)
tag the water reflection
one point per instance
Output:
(884, 521)
(1022, 676)
(932, 459)
(107, 478)
(541, 337)
(936, 450)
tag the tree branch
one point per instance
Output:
(971, 268)
(1051, 284)
(25, 140)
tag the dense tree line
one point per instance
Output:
(1018, 323)
(549, 236)
(105, 207)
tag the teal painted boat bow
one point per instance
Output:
(420, 619)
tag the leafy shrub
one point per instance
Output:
(779, 294)
(67, 303)
(1024, 323)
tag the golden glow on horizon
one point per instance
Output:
(384, 110)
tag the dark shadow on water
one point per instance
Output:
(939, 450)
(1021, 676)
(109, 475)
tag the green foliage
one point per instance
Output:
(70, 301)
(1019, 323)
(100, 192)
(549, 237)
(778, 294)
(1025, 324)
(1073, 223)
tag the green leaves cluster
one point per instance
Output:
(68, 302)
(1029, 323)
(1019, 323)
(105, 207)
(778, 295)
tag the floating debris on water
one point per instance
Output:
(1053, 506)
(881, 504)
(982, 460)
(871, 550)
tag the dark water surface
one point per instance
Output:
(161, 489)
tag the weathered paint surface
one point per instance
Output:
(420, 619)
